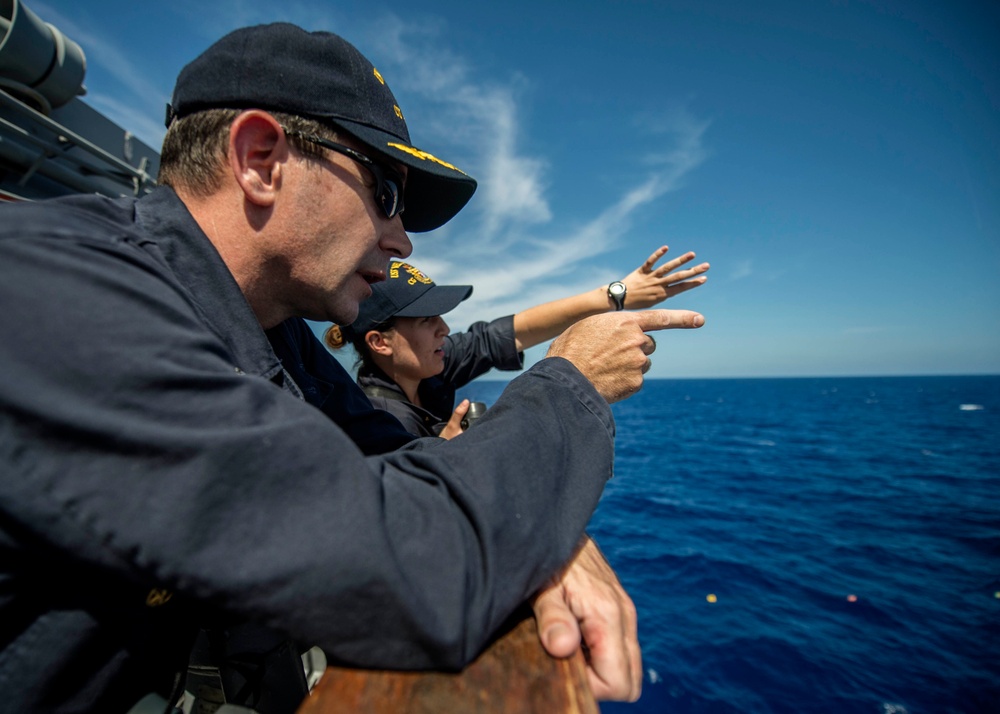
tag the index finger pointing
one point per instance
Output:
(650, 320)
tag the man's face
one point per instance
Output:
(338, 240)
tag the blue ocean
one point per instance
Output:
(809, 545)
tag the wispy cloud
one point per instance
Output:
(544, 265)
(514, 245)
(478, 119)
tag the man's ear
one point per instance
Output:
(258, 151)
(378, 344)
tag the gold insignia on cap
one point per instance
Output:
(399, 112)
(157, 597)
(378, 76)
(415, 275)
(424, 156)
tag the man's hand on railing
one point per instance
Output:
(586, 605)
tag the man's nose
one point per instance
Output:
(395, 241)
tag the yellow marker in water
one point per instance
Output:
(711, 597)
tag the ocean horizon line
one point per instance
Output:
(916, 375)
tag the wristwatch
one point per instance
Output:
(616, 291)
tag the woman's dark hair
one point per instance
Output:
(336, 337)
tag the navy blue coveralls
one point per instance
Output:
(167, 467)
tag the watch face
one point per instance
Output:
(616, 291)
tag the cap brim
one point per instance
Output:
(436, 301)
(435, 190)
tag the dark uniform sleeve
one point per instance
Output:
(484, 346)
(132, 442)
(467, 355)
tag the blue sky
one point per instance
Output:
(838, 163)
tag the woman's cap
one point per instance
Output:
(281, 67)
(406, 292)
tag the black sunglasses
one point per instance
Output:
(388, 183)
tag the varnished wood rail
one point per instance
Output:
(514, 676)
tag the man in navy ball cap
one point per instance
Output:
(322, 76)
(194, 457)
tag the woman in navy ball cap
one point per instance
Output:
(410, 363)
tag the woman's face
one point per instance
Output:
(418, 346)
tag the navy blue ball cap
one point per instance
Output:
(281, 67)
(406, 292)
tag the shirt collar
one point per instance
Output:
(164, 218)
(372, 376)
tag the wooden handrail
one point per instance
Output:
(514, 676)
